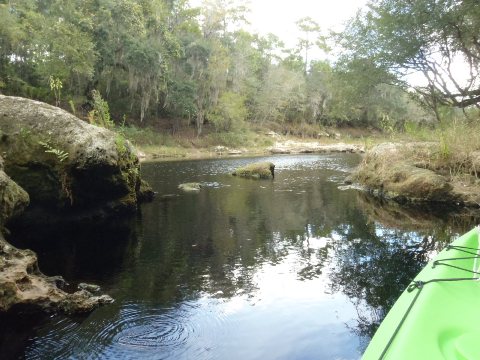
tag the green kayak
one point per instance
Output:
(438, 315)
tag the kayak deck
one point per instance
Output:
(438, 316)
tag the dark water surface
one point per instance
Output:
(296, 268)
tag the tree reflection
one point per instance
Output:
(375, 261)
(374, 271)
(217, 243)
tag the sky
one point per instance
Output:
(279, 16)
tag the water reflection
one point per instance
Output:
(290, 268)
(438, 221)
(86, 252)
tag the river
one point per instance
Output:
(301, 267)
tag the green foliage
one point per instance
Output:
(229, 113)
(162, 62)
(416, 130)
(121, 144)
(147, 136)
(56, 86)
(444, 148)
(71, 103)
(423, 36)
(100, 115)
(233, 139)
(60, 154)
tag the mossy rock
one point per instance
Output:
(261, 170)
(145, 192)
(13, 199)
(65, 164)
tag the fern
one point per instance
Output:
(61, 155)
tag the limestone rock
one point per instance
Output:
(145, 192)
(235, 152)
(22, 283)
(309, 147)
(65, 164)
(13, 199)
(91, 288)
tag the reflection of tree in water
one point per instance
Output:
(438, 221)
(374, 271)
(217, 242)
(374, 264)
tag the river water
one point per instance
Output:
(300, 267)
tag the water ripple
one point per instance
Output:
(154, 330)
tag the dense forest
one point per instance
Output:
(166, 64)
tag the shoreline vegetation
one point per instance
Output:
(417, 165)
(154, 146)
(183, 82)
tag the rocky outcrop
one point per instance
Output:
(21, 282)
(262, 170)
(66, 165)
(399, 172)
(296, 147)
(223, 150)
(13, 199)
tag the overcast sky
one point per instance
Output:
(279, 16)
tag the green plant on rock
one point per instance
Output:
(25, 133)
(61, 155)
(100, 115)
(72, 106)
(56, 86)
(121, 144)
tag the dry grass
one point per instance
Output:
(454, 149)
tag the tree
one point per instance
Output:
(229, 112)
(283, 89)
(311, 36)
(319, 92)
(222, 16)
(43, 39)
(431, 37)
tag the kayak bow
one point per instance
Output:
(437, 316)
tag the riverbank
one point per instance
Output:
(418, 173)
(155, 146)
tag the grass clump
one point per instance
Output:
(261, 170)
(455, 147)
